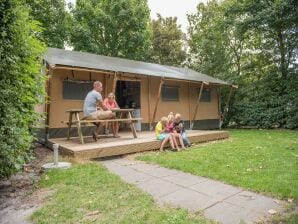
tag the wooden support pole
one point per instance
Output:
(189, 102)
(69, 125)
(79, 128)
(219, 107)
(114, 83)
(106, 86)
(156, 103)
(132, 126)
(149, 98)
(48, 101)
(197, 106)
(228, 101)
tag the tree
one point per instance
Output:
(207, 40)
(118, 28)
(276, 20)
(253, 44)
(21, 85)
(54, 19)
(167, 41)
(216, 45)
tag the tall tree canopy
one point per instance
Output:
(252, 43)
(167, 41)
(54, 20)
(119, 28)
(21, 85)
(207, 40)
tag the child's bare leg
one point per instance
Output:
(106, 127)
(181, 141)
(115, 129)
(97, 128)
(171, 142)
(163, 143)
(175, 141)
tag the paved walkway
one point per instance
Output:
(218, 201)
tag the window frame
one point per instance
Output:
(206, 96)
(68, 91)
(165, 98)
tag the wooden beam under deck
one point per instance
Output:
(108, 146)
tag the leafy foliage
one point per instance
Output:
(207, 40)
(167, 41)
(252, 44)
(118, 28)
(21, 85)
(54, 20)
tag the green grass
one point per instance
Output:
(259, 160)
(88, 188)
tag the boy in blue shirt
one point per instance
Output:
(179, 127)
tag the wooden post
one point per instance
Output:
(69, 125)
(149, 100)
(189, 102)
(79, 128)
(228, 100)
(114, 83)
(196, 109)
(106, 86)
(219, 107)
(156, 103)
(132, 126)
(48, 101)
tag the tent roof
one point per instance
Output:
(55, 57)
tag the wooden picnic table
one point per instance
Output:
(120, 117)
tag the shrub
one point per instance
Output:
(21, 85)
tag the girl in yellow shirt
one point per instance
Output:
(161, 133)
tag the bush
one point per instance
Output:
(21, 85)
(270, 112)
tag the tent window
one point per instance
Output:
(170, 93)
(76, 90)
(206, 95)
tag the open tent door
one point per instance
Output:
(128, 95)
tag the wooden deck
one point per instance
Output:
(109, 146)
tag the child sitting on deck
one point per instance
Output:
(161, 133)
(172, 131)
(179, 127)
(111, 103)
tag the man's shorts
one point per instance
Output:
(162, 136)
(100, 115)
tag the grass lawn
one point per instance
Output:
(88, 193)
(259, 160)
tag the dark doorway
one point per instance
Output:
(128, 94)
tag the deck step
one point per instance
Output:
(108, 146)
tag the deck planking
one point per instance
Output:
(108, 146)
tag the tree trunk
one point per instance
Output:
(281, 46)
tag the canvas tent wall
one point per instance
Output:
(72, 72)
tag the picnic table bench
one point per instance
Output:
(78, 122)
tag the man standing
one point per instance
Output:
(92, 101)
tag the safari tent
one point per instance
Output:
(153, 90)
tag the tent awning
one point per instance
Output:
(55, 57)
